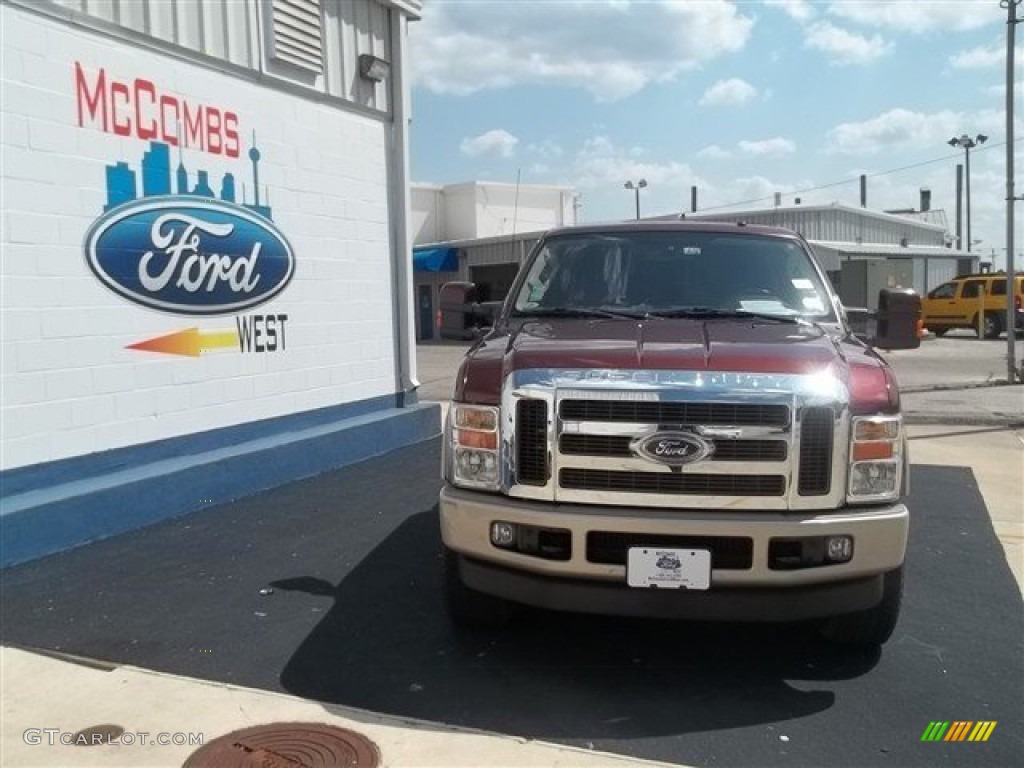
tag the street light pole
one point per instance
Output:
(968, 144)
(1012, 374)
(636, 189)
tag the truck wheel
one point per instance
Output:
(873, 626)
(992, 325)
(467, 607)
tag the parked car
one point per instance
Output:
(977, 302)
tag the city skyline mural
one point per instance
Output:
(122, 182)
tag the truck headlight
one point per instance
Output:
(473, 446)
(876, 458)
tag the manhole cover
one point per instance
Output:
(97, 734)
(287, 745)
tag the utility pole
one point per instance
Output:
(959, 205)
(1012, 374)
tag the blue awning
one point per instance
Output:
(435, 260)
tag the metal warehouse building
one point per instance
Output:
(206, 279)
(862, 250)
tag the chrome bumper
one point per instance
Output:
(879, 534)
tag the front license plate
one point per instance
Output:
(668, 568)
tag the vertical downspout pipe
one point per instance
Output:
(401, 246)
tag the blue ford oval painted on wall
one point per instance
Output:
(189, 256)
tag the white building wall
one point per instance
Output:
(70, 383)
(504, 210)
(230, 30)
(487, 209)
(427, 213)
(460, 212)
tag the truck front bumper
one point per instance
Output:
(760, 590)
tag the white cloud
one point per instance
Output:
(903, 128)
(1000, 90)
(919, 16)
(547, 149)
(978, 58)
(776, 146)
(600, 163)
(750, 192)
(462, 48)
(799, 10)
(986, 56)
(600, 168)
(730, 92)
(714, 152)
(497, 142)
(843, 46)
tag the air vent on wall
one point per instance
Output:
(297, 35)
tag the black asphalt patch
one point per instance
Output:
(330, 589)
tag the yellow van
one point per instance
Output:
(970, 300)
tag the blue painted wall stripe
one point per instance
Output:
(21, 479)
(41, 521)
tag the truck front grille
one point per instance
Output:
(815, 452)
(733, 553)
(672, 483)
(674, 413)
(532, 442)
(774, 446)
(725, 450)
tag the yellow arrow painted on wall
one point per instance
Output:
(188, 343)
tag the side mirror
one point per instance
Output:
(461, 315)
(897, 322)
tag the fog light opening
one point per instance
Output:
(503, 534)
(839, 549)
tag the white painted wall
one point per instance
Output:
(427, 213)
(503, 211)
(460, 212)
(487, 209)
(69, 384)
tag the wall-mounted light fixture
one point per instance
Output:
(373, 68)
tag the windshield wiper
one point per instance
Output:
(740, 314)
(575, 312)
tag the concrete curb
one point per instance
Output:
(965, 420)
(43, 691)
(957, 387)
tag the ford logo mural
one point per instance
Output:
(672, 448)
(189, 256)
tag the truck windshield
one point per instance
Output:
(664, 274)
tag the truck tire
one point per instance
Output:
(467, 607)
(873, 626)
(992, 325)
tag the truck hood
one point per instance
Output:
(684, 344)
(673, 344)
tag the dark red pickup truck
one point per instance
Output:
(675, 419)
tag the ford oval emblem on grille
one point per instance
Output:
(673, 448)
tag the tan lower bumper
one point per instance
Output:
(879, 534)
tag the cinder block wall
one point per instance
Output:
(70, 384)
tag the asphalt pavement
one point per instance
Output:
(329, 589)
(323, 599)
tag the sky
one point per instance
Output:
(740, 99)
